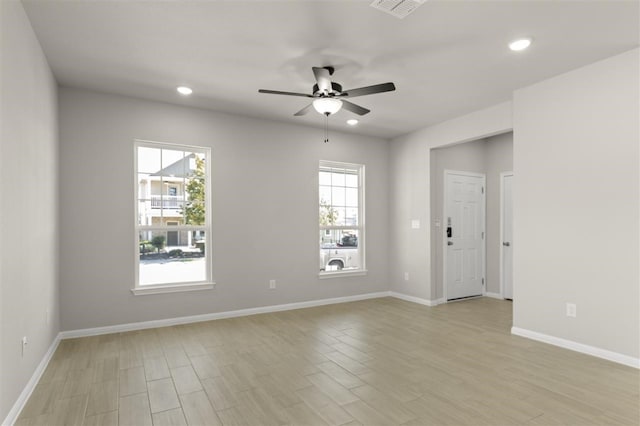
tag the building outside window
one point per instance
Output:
(173, 224)
(341, 218)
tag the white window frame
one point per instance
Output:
(206, 284)
(361, 219)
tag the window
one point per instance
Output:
(173, 223)
(341, 218)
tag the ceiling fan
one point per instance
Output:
(328, 96)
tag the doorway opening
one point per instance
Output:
(490, 157)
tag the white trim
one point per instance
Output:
(493, 295)
(119, 328)
(171, 288)
(443, 230)
(17, 408)
(406, 297)
(168, 145)
(444, 224)
(339, 274)
(578, 347)
(501, 255)
(330, 164)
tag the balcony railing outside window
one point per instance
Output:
(167, 201)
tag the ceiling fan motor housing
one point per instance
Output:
(336, 89)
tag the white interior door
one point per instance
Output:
(507, 236)
(464, 234)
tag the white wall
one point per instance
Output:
(265, 209)
(28, 204)
(576, 205)
(409, 160)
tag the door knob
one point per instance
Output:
(506, 244)
(449, 243)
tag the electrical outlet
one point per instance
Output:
(272, 284)
(571, 310)
(406, 276)
(24, 341)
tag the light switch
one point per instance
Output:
(415, 224)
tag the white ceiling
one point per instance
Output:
(447, 58)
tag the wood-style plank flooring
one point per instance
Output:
(374, 362)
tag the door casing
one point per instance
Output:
(504, 175)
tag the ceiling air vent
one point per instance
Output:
(397, 8)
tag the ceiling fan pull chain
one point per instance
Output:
(326, 128)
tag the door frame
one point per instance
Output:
(443, 229)
(502, 176)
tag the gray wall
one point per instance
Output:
(489, 156)
(28, 204)
(468, 157)
(265, 209)
(409, 161)
(498, 159)
(576, 207)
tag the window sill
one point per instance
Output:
(176, 288)
(340, 274)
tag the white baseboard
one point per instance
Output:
(493, 295)
(12, 417)
(119, 328)
(414, 299)
(578, 347)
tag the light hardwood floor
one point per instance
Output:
(375, 362)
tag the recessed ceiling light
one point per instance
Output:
(352, 122)
(184, 90)
(520, 44)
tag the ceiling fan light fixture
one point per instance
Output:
(327, 106)
(520, 44)
(352, 122)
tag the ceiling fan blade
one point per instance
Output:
(350, 106)
(323, 78)
(277, 92)
(369, 90)
(303, 111)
